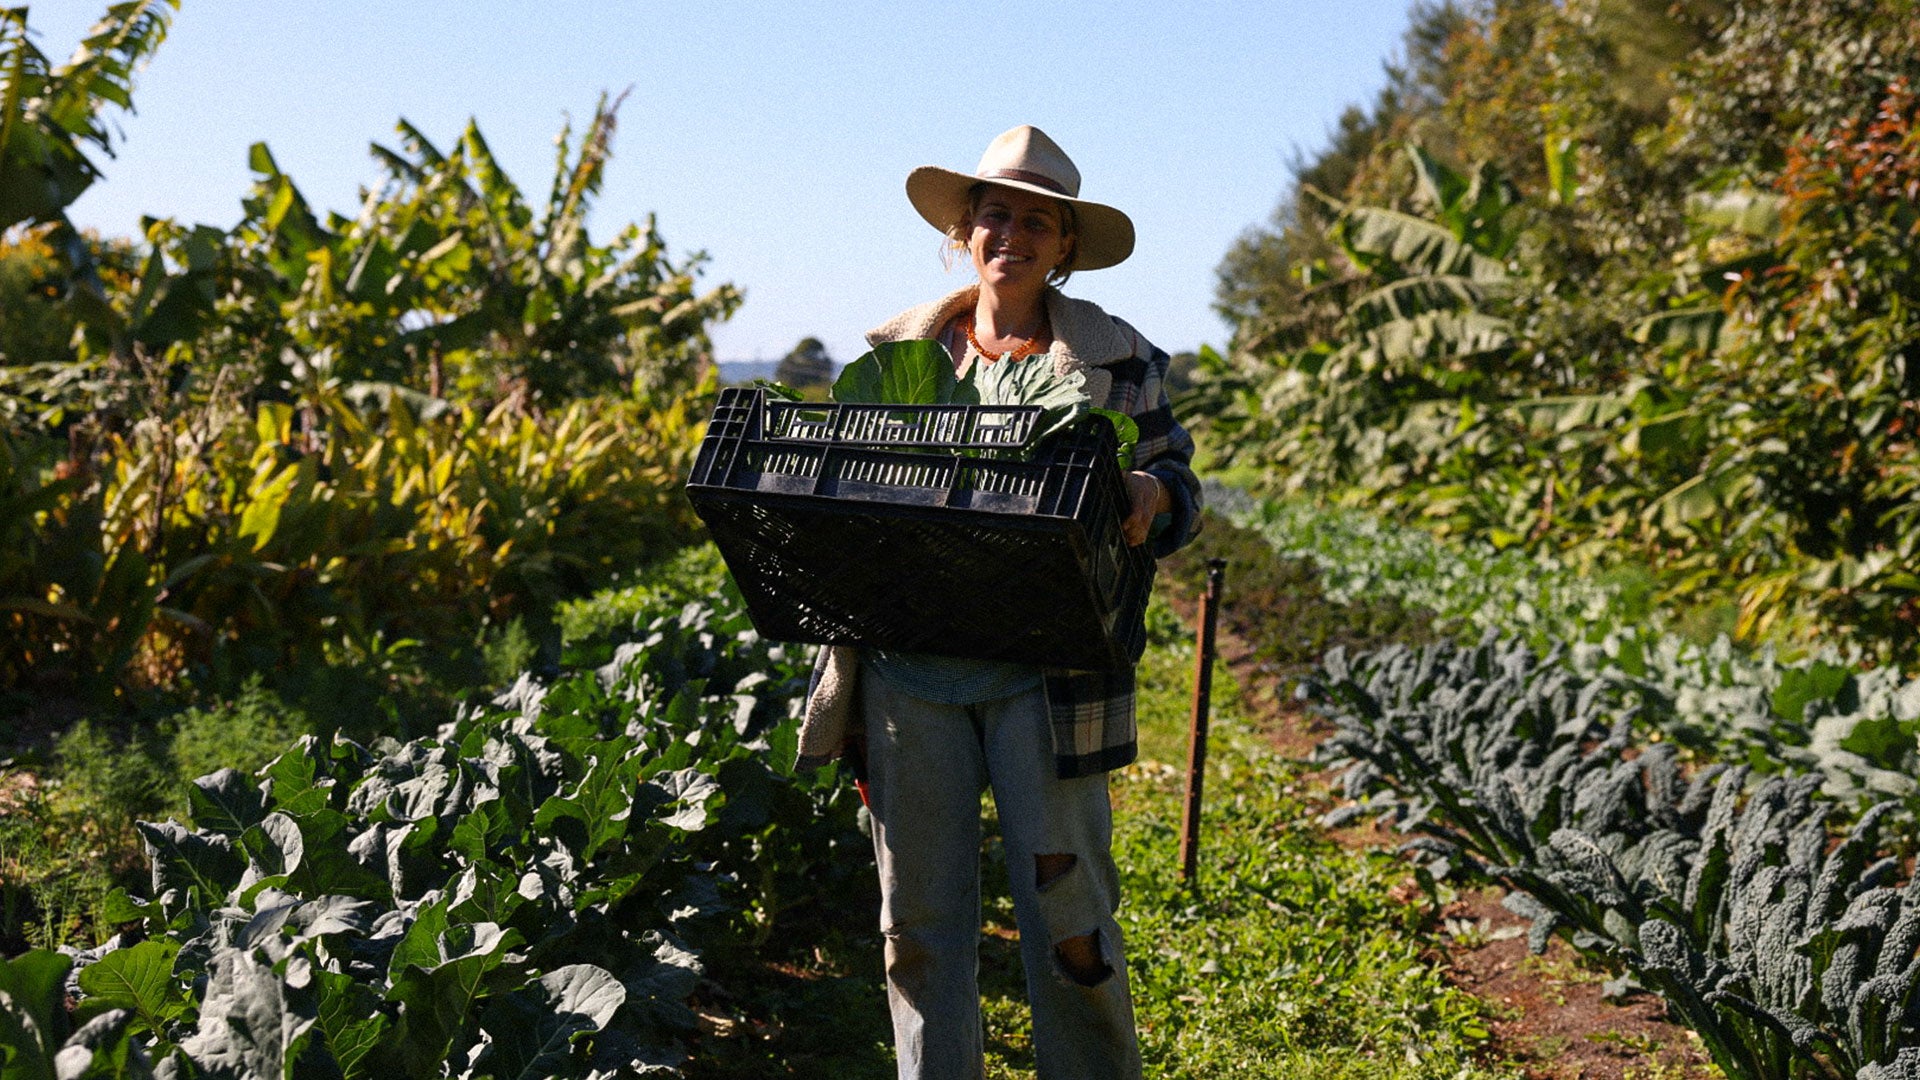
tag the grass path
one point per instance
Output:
(1548, 1013)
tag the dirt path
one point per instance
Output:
(1548, 1012)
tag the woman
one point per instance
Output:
(938, 730)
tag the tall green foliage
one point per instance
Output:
(51, 114)
(450, 281)
(1689, 346)
(316, 439)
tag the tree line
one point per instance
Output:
(1626, 282)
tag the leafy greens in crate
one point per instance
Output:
(919, 372)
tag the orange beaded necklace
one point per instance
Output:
(1027, 346)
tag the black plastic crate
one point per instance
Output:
(916, 528)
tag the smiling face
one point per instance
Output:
(1017, 238)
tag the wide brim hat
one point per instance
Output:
(1025, 159)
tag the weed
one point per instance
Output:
(508, 653)
(1474, 933)
(67, 837)
(1561, 968)
(1670, 1070)
(244, 733)
(52, 874)
(107, 778)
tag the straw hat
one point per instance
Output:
(1027, 160)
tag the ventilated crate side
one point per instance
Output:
(950, 553)
(983, 588)
(947, 427)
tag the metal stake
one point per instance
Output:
(1197, 731)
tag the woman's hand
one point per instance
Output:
(1148, 495)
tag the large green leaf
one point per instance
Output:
(1035, 382)
(260, 517)
(659, 986)
(1436, 335)
(226, 802)
(601, 804)
(1800, 685)
(916, 372)
(687, 789)
(1694, 327)
(300, 781)
(1408, 297)
(416, 783)
(181, 859)
(1442, 187)
(482, 829)
(250, 1027)
(438, 970)
(1030, 382)
(104, 1048)
(275, 849)
(1884, 741)
(1126, 433)
(349, 1020)
(138, 978)
(32, 1013)
(1413, 244)
(533, 1029)
(328, 864)
(1473, 208)
(1693, 499)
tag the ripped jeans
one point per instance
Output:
(927, 764)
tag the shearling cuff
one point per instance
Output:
(831, 699)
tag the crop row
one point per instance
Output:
(1857, 726)
(1670, 808)
(1789, 954)
(529, 892)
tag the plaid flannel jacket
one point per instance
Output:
(1092, 712)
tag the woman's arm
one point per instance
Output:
(1162, 481)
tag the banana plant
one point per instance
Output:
(1411, 334)
(449, 281)
(52, 114)
(1436, 274)
(53, 119)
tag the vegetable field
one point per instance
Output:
(589, 876)
(373, 704)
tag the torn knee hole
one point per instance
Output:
(1048, 869)
(1080, 960)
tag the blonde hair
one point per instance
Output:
(961, 230)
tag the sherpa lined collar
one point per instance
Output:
(1084, 336)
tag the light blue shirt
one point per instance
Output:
(953, 680)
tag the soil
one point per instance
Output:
(1547, 1012)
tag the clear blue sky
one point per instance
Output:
(775, 137)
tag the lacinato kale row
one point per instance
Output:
(1793, 952)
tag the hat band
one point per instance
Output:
(1026, 177)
